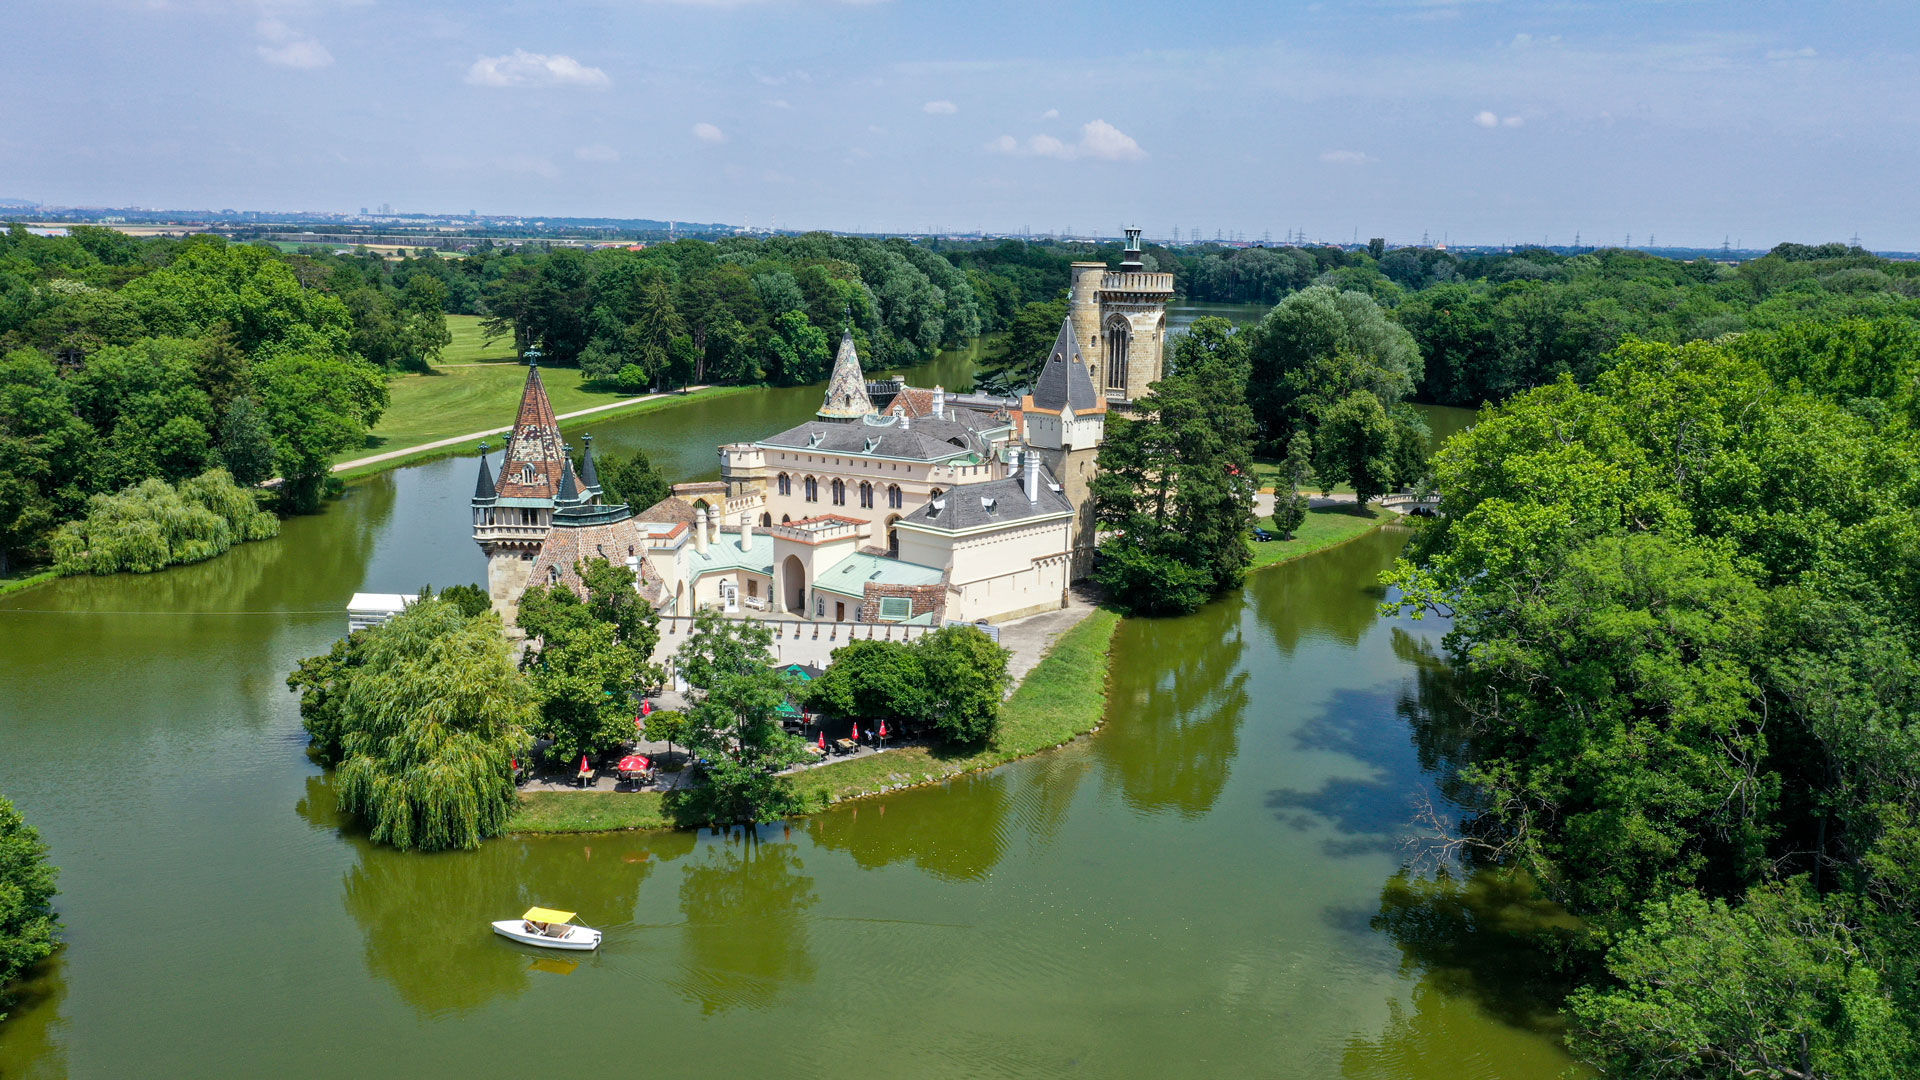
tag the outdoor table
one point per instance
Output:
(846, 746)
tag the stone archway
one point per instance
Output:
(794, 574)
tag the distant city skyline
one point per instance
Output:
(1483, 121)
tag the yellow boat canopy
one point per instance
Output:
(548, 915)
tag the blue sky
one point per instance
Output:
(1479, 120)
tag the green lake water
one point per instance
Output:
(1203, 888)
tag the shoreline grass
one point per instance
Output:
(1063, 697)
(1324, 527)
(24, 579)
(472, 446)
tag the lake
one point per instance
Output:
(1205, 887)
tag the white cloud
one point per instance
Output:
(1511, 121)
(1486, 118)
(1098, 139)
(1803, 53)
(707, 133)
(940, 108)
(780, 103)
(1050, 114)
(1347, 157)
(522, 68)
(597, 152)
(289, 48)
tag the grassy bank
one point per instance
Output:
(1324, 527)
(472, 446)
(470, 346)
(24, 579)
(1065, 695)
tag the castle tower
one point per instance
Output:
(846, 397)
(1120, 320)
(511, 514)
(1064, 420)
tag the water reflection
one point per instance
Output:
(744, 940)
(959, 834)
(35, 1026)
(1332, 595)
(1171, 741)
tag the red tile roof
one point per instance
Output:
(532, 465)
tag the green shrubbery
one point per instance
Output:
(154, 524)
(951, 681)
(26, 897)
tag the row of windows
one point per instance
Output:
(837, 491)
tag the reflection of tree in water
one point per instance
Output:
(1488, 941)
(30, 1046)
(425, 916)
(1177, 699)
(1331, 594)
(1435, 710)
(745, 939)
(959, 833)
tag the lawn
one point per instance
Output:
(1065, 695)
(1324, 527)
(1266, 477)
(470, 346)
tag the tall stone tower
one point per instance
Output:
(511, 514)
(1064, 420)
(1120, 321)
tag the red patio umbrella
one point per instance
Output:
(823, 738)
(646, 708)
(856, 733)
(635, 763)
(584, 767)
(883, 729)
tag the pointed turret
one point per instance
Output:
(1064, 382)
(531, 467)
(483, 488)
(589, 476)
(569, 493)
(846, 397)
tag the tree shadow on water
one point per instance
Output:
(745, 935)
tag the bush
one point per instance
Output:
(154, 525)
(26, 896)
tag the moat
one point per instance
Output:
(1197, 890)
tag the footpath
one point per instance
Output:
(471, 436)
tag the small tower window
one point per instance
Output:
(813, 489)
(785, 484)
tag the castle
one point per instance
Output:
(894, 504)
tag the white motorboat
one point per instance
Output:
(548, 929)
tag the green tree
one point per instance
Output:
(322, 681)
(665, 725)
(592, 660)
(798, 351)
(871, 679)
(1357, 443)
(470, 600)
(245, 446)
(964, 678)
(433, 719)
(1289, 510)
(733, 722)
(1783, 986)
(40, 451)
(633, 480)
(27, 922)
(1315, 349)
(316, 406)
(1175, 487)
(1015, 362)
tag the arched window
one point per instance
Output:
(866, 495)
(893, 496)
(553, 575)
(935, 493)
(786, 484)
(766, 520)
(1119, 337)
(784, 519)
(813, 489)
(839, 493)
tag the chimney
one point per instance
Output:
(939, 401)
(700, 530)
(713, 525)
(746, 529)
(905, 420)
(1032, 479)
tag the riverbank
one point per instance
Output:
(1065, 696)
(25, 580)
(460, 445)
(1324, 527)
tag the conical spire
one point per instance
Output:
(530, 468)
(569, 488)
(589, 476)
(846, 397)
(1064, 380)
(483, 488)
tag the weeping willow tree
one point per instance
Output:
(433, 720)
(155, 524)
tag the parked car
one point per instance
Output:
(1262, 535)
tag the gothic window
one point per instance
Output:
(935, 493)
(553, 575)
(893, 496)
(766, 520)
(839, 493)
(1119, 337)
(813, 489)
(866, 495)
(786, 484)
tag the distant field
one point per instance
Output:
(470, 345)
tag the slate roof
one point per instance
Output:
(921, 440)
(531, 467)
(966, 507)
(589, 476)
(483, 488)
(1064, 379)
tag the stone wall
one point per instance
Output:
(925, 598)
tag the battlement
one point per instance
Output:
(1144, 282)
